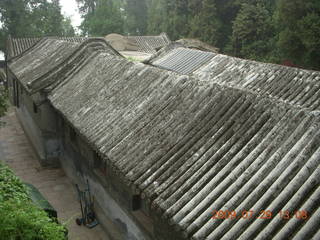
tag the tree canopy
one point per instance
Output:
(32, 18)
(100, 17)
(266, 30)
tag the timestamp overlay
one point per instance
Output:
(262, 214)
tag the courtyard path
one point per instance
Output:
(17, 152)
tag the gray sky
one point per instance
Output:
(69, 8)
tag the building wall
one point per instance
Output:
(50, 136)
(38, 120)
(111, 202)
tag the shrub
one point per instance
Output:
(20, 218)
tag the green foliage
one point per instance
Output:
(67, 28)
(135, 17)
(20, 219)
(3, 100)
(100, 17)
(48, 16)
(265, 30)
(133, 59)
(252, 32)
(10, 185)
(87, 6)
(157, 17)
(205, 24)
(299, 36)
(32, 18)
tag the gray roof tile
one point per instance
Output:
(191, 144)
(47, 62)
(17, 46)
(150, 44)
(183, 60)
(296, 86)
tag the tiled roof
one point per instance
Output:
(150, 44)
(183, 60)
(16, 46)
(197, 44)
(297, 86)
(49, 61)
(192, 144)
(192, 147)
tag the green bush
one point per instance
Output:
(20, 218)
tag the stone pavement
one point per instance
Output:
(17, 152)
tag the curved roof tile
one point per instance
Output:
(150, 44)
(192, 144)
(16, 46)
(191, 147)
(50, 60)
(297, 86)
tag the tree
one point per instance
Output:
(157, 17)
(252, 31)
(299, 25)
(309, 27)
(46, 18)
(100, 17)
(205, 24)
(14, 16)
(67, 28)
(32, 18)
(136, 17)
(87, 6)
(179, 15)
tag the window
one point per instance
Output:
(35, 107)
